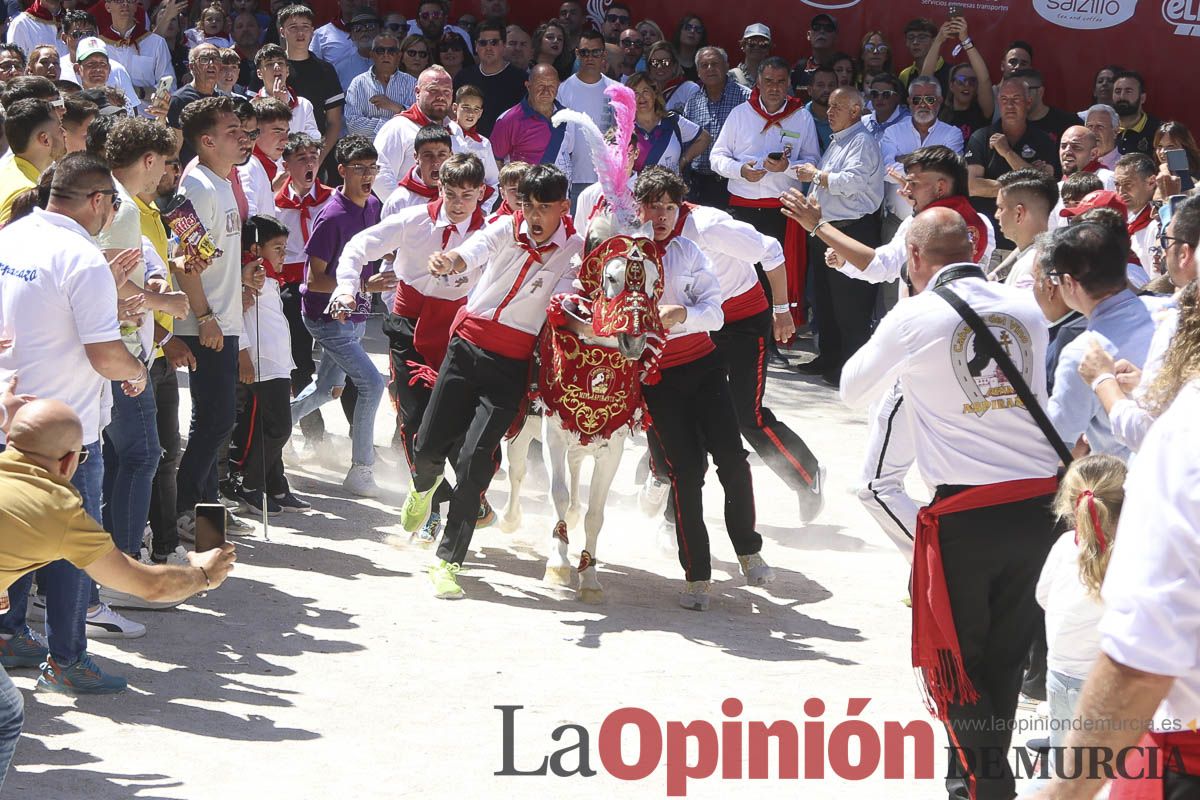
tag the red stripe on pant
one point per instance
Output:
(250, 433)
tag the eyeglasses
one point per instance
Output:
(624, 19)
(363, 169)
(966, 80)
(205, 60)
(383, 51)
(823, 27)
(116, 198)
(492, 42)
(428, 15)
(251, 135)
(885, 94)
(395, 26)
(594, 53)
(1164, 241)
(925, 100)
(81, 34)
(661, 63)
(631, 43)
(693, 27)
(411, 53)
(875, 48)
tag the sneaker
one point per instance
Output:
(486, 514)
(428, 533)
(360, 480)
(82, 677)
(289, 502)
(696, 595)
(231, 494)
(444, 576)
(176, 558)
(185, 525)
(236, 526)
(757, 571)
(104, 623)
(812, 499)
(252, 501)
(652, 497)
(116, 599)
(24, 649)
(416, 507)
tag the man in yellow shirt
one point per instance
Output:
(42, 520)
(35, 134)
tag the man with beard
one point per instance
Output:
(933, 177)
(1137, 126)
(821, 83)
(1077, 152)
(618, 20)
(431, 22)
(394, 142)
(921, 129)
(1102, 120)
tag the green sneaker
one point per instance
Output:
(444, 576)
(417, 506)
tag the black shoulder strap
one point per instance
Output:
(985, 340)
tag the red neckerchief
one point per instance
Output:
(272, 273)
(476, 221)
(529, 246)
(36, 10)
(415, 114)
(672, 85)
(412, 181)
(315, 196)
(472, 134)
(790, 105)
(502, 210)
(292, 102)
(684, 211)
(271, 168)
(976, 228)
(1141, 221)
(110, 35)
(1094, 166)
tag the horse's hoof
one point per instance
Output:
(510, 523)
(592, 597)
(558, 576)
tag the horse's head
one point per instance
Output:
(623, 277)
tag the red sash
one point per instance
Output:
(795, 254)
(790, 105)
(935, 650)
(747, 304)
(976, 229)
(1142, 220)
(431, 336)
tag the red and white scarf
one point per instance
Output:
(790, 106)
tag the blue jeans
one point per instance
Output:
(213, 388)
(12, 714)
(131, 454)
(1062, 694)
(344, 356)
(68, 590)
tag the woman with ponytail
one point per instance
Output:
(1090, 499)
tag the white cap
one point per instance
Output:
(757, 29)
(89, 47)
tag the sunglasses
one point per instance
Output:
(116, 200)
(395, 26)
(411, 53)
(427, 15)
(621, 18)
(488, 42)
(693, 27)
(927, 100)
(81, 34)
(661, 63)
(455, 45)
(886, 94)
(823, 27)
(966, 81)
(251, 135)
(383, 51)
(364, 27)
(875, 48)
(631, 43)
(595, 53)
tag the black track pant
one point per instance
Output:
(264, 425)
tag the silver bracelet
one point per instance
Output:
(166, 338)
(817, 227)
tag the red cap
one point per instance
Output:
(1102, 198)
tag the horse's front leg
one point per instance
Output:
(607, 460)
(558, 567)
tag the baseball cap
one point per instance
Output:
(828, 18)
(757, 29)
(1101, 198)
(364, 15)
(89, 47)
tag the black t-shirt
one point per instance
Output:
(1033, 146)
(1131, 141)
(315, 80)
(1055, 122)
(501, 91)
(967, 120)
(181, 99)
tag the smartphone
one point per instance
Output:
(954, 11)
(164, 86)
(1176, 161)
(776, 155)
(210, 526)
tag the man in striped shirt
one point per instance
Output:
(381, 92)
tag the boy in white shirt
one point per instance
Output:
(272, 68)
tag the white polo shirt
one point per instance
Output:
(53, 301)
(900, 140)
(266, 335)
(743, 141)
(212, 197)
(1152, 588)
(146, 61)
(733, 248)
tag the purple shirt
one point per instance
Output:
(521, 134)
(336, 223)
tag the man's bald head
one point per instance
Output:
(845, 108)
(46, 428)
(937, 237)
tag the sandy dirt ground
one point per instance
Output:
(326, 668)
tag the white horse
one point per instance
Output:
(589, 387)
